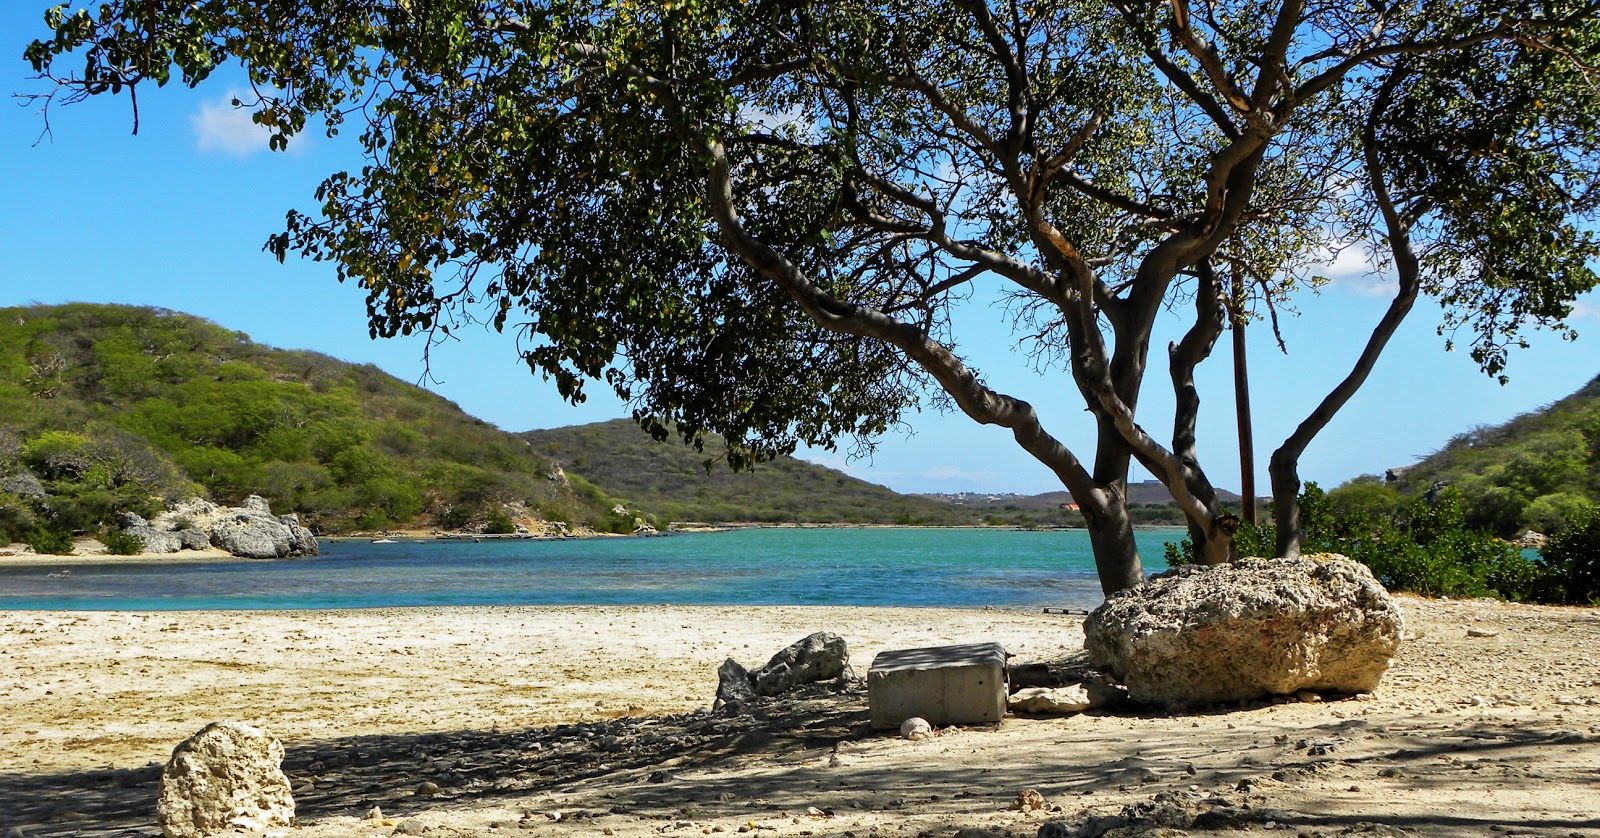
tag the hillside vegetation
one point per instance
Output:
(104, 408)
(1539, 471)
(671, 480)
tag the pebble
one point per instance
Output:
(374, 814)
(1478, 632)
(427, 789)
(916, 729)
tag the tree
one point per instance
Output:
(753, 218)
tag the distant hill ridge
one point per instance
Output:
(670, 479)
(103, 406)
(1530, 472)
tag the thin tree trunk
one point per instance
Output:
(1241, 405)
(1285, 465)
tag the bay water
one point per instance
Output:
(766, 566)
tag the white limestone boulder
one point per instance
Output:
(227, 777)
(1205, 635)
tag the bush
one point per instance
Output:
(499, 523)
(1431, 550)
(49, 541)
(1572, 560)
(122, 543)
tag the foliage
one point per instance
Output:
(1532, 472)
(1427, 547)
(674, 482)
(122, 542)
(753, 217)
(145, 405)
(1572, 557)
(499, 523)
(49, 541)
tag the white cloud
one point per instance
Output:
(1352, 269)
(221, 127)
(1586, 308)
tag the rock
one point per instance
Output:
(130, 520)
(194, 539)
(916, 729)
(254, 535)
(1074, 698)
(818, 657)
(1204, 635)
(25, 485)
(257, 503)
(1028, 800)
(427, 789)
(301, 541)
(1478, 632)
(374, 814)
(226, 775)
(733, 685)
(156, 541)
(1531, 540)
(194, 513)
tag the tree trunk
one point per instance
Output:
(1284, 470)
(1285, 466)
(1241, 407)
(1116, 555)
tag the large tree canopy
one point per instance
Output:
(753, 216)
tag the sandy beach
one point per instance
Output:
(583, 721)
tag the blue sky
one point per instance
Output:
(175, 217)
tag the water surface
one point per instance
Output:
(782, 566)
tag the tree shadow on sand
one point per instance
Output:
(813, 752)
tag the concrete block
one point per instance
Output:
(944, 684)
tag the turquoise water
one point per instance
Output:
(883, 567)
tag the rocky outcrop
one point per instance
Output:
(1204, 635)
(253, 534)
(817, 657)
(227, 777)
(24, 485)
(249, 531)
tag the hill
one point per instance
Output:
(1529, 473)
(671, 480)
(1149, 502)
(104, 407)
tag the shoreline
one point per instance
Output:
(88, 551)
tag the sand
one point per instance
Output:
(572, 720)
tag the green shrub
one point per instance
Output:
(1431, 550)
(49, 541)
(122, 543)
(1572, 560)
(499, 523)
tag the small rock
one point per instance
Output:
(1308, 697)
(1070, 699)
(374, 814)
(1028, 800)
(916, 729)
(427, 789)
(659, 776)
(1478, 632)
(410, 827)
